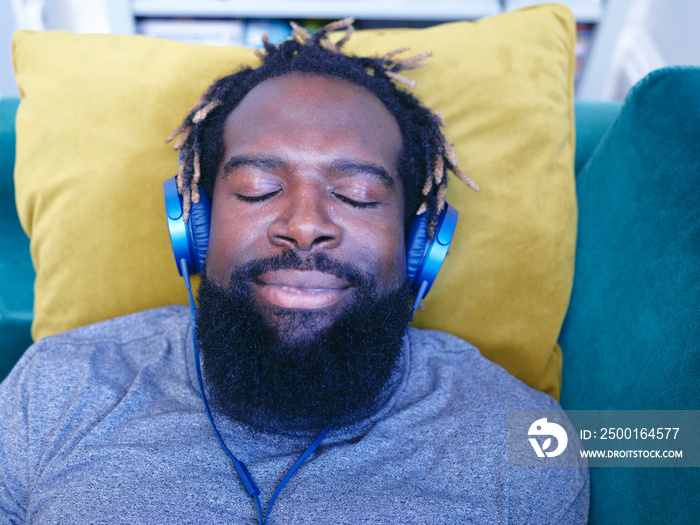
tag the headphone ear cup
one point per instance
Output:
(424, 256)
(198, 226)
(416, 244)
(189, 240)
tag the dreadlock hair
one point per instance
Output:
(425, 156)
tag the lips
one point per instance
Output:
(301, 289)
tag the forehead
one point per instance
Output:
(305, 110)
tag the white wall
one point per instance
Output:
(636, 37)
(14, 14)
(79, 16)
(675, 27)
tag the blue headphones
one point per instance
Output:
(423, 257)
(190, 240)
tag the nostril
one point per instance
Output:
(289, 241)
(323, 239)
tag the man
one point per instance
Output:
(315, 163)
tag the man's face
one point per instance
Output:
(310, 166)
(303, 305)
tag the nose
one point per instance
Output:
(305, 222)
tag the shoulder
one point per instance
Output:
(484, 383)
(460, 389)
(123, 330)
(129, 331)
(108, 354)
(66, 386)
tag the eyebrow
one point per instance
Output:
(347, 167)
(360, 168)
(262, 162)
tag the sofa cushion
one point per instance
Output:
(593, 118)
(16, 271)
(91, 159)
(631, 336)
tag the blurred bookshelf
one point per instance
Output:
(618, 41)
(241, 22)
(237, 22)
(438, 10)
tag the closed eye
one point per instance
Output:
(356, 204)
(257, 198)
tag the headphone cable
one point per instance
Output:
(242, 471)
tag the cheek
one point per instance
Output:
(385, 248)
(394, 242)
(398, 259)
(228, 241)
(217, 251)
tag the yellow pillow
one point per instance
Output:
(91, 158)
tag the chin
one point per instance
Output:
(302, 326)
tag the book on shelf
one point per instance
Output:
(215, 32)
(584, 37)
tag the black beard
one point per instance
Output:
(291, 377)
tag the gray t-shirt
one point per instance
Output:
(105, 424)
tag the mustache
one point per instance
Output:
(291, 260)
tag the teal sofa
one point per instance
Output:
(631, 335)
(16, 271)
